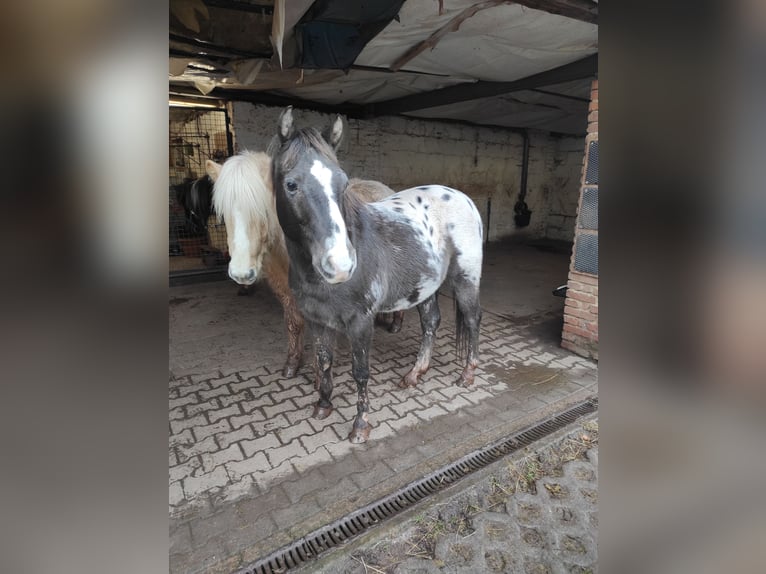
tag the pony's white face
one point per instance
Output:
(237, 196)
(247, 247)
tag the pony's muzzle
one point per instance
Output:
(243, 277)
(338, 268)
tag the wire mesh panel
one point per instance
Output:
(591, 170)
(197, 240)
(586, 253)
(589, 208)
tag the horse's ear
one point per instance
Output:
(335, 134)
(286, 127)
(212, 169)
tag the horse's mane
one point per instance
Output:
(302, 141)
(244, 184)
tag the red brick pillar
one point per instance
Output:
(580, 333)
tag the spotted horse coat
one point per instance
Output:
(350, 260)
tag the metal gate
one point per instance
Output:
(197, 240)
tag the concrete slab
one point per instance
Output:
(252, 470)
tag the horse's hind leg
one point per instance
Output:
(467, 324)
(396, 322)
(324, 343)
(430, 317)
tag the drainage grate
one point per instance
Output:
(311, 546)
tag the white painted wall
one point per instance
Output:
(482, 162)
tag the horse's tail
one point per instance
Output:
(461, 331)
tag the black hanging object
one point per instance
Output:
(522, 213)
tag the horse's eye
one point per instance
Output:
(291, 185)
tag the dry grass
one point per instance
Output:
(521, 476)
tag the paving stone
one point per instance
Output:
(214, 416)
(175, 493)
(303, 484)
(236, 490)
(212, 460)
(240, 434)
(240, 421)
(216, 392)
(317, 458)
(198, 377)
(238, 398)
(296, 416)
(180, 541)
(176, 414)
(206, 482)
(430, 413)
(179, 402)
(278, 455)
(195, 409)
(287, 517)
(206, 445)
(249, 465)
(184, 469)
(200, 432)
(185, 437)
(287, 434)
(407, 421)
(260, 444)
(315, 440)
(186, 390)
(180, 425)
(274, 475)
(214, 383)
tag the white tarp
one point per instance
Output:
(502, 43)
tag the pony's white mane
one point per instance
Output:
(244, 184)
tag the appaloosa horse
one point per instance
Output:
(350, 260)
(243, 195)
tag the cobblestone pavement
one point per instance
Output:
(533, 512)
(250, 470)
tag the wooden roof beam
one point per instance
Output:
(584, 68)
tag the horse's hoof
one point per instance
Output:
(290, 370)
(409, 380)
(359, 435)
(321, 412)
(395, 328)
(464, 382)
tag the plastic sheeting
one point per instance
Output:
(501, 43)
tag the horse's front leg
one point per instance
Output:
(295, 327)
(430, 318)
(324, 343)
(361, 338)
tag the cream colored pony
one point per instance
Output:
(243, 196)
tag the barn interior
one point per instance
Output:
(491, 98)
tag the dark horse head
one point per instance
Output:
(310, 193)
(196, 198)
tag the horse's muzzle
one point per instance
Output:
(336, 269)
(243, 278)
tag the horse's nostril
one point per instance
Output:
(251, 274)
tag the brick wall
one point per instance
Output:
(483, 162)
(580, 331)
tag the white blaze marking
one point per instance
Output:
(336, 244)
(240, 248)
